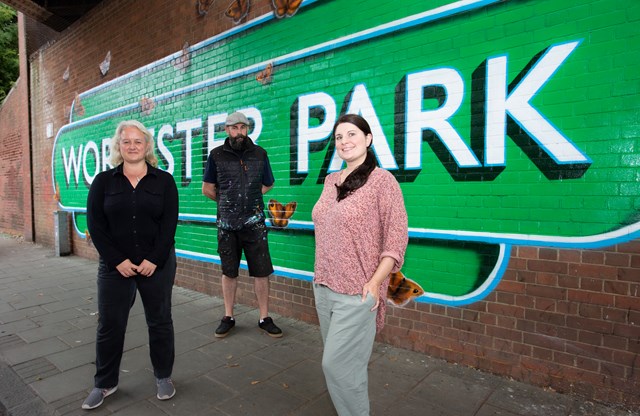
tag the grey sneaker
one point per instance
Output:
(96, 397)
(165, 389)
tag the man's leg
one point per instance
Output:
(229, 286)
(256, 251)
(261, 287)
(230, 252)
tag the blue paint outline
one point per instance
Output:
(481, 291)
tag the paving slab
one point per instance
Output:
(197, 395)
(450, 394)
(193, 364)
(33, 350)
(528, 401)
(262, 398)
(74, 357)
(9, 314)
(305, 379)
(78, 337)
(64, 384)
(44, 332)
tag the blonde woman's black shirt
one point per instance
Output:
(133, 223)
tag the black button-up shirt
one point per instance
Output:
(133, 223)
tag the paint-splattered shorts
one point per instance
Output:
(253, 240)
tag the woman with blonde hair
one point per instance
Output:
(132, 215)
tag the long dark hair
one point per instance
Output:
(360, 175)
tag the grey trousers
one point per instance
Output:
(348, 328)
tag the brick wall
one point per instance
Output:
(11, 196)
(566, 319)
(15, 156)
(15, 213)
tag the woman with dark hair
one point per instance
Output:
(361, 236)
(132, 214)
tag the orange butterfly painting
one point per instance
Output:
(401, 290)
(279, 213)
(288, 8)
(237, 10)
(264, 76)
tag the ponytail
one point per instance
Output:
(358, 177)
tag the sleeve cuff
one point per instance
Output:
(397, 260)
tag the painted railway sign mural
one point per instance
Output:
(505, 122)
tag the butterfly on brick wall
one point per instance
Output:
(288, 8)
(56, 195)
(78, 108)
(401, 290)
(279, 213)
(264, 76)
(147, 105)
(183, 61)
(237, 10)
(202, 6)
(105, 64)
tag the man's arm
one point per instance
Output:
(209, 190)
(266, 189)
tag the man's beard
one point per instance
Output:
(239, 142)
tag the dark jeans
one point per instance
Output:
(116, 295)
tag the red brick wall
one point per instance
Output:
(15, 203)
(11, 168)
(566, 319)
(15, 155)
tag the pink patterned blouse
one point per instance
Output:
(353, 235)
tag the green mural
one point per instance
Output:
(505, 122)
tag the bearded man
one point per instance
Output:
(236, 176)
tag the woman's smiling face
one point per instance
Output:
(133, 145)
(352, 143)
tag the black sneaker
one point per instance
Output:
(270, 328)
(225, 326)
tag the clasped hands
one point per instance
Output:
(128, 269)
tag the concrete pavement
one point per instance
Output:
(47, 347)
